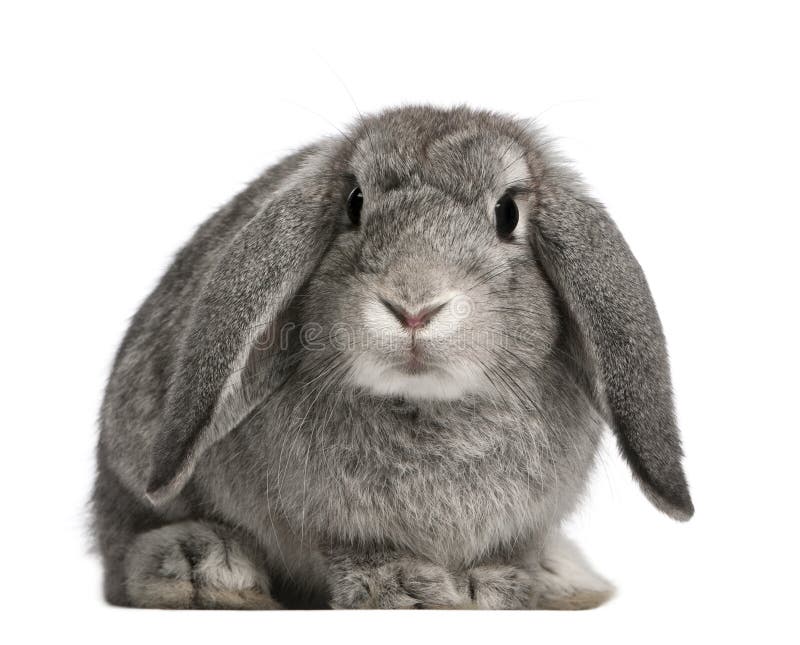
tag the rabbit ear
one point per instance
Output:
(619, 338)
(229, 356)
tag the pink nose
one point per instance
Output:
(417, 321)
(412, 321)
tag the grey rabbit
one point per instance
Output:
(379, 377)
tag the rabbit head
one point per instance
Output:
(425, 249)
(432, 281)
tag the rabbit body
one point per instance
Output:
(379, 461)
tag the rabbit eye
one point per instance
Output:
(354, 202)
(506, 216)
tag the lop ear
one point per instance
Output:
(619, 338)
(229, 358)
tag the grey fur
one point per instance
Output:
(224, 430)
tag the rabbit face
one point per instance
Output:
(431, 285)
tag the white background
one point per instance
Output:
(124, 125)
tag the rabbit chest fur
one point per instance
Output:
(454, 482)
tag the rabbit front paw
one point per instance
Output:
(378, 582)
(194, 565)
(499, 586)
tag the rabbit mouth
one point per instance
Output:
(415, 363)
(415, 357)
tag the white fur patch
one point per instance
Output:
(434, 384)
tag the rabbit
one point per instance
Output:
(379, 378)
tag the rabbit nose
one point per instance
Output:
(412, 321)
